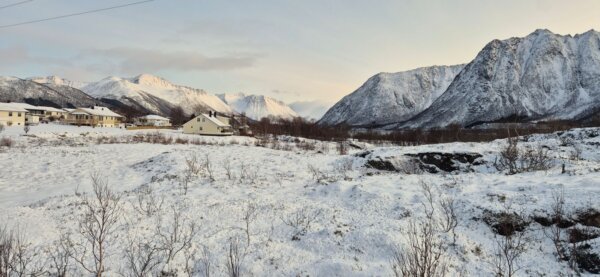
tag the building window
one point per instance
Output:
(19, 114)
(9, 113)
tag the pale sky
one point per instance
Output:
(291, 50)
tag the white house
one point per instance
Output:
(12, 115)
(207, 124)
(96, 116)
(152, 120)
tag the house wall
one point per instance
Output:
(202, 126)
(89, 120)
(8, 118)
(31, 119)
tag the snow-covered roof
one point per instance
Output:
(11, 107)
(49, 109)
(216, 121)
(154, 117)
(37, 108)
(97, 110)
(24, 106)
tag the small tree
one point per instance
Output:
(178, 116)
(102, 213)
(26, 129)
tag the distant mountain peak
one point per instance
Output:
(258, 106)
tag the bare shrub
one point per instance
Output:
(249, 216)
(17, 256)
(206, 262)
(208, 168)
(148, 203)
(449, 217)
(342, 148)
(301, 221)
(554, 232)
(424, 254)
(1, 128)
(60, 253)
(142, 258)
(513, 160)
(508, 251)
(576, 152)
(7, 142)
(174, 237)
(320, 176)
(228, 169)
(26, 129)
(102, 213)
(509, 156)
(535, 159)
(235, 257)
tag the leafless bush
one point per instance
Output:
(508, 251)
(26, 129)
(554, 232)
(235, 257)
(301, 221)
(60, 253)
(343, 167)
(576, 152)
(7, 142)
(249, 216)
(17, 256)
(449, 217)
(1, 128)
(509, 156)
(193, 168)
(102, 213)
(142, 258)
(248, 174)
(174, 237)
(342, 148)
(535, 159)
(424, 254)
(228, 169)
(148, 203)
(319, 176)
(206, 262)
(208, 168)
(514, 160)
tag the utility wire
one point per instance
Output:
(15, 4)
(74, 14)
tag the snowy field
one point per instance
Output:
(294, 211)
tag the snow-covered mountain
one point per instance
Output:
(258, 106)
(391, 97)
(539, 77)
(47, 94)
(311, 109)
(155, 94)
(58, 81)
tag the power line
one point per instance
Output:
(74, 14)
(15, 4)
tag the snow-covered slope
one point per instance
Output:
(58, 81)
(46, 94)
(540, 76)
(311, 109)
(155, 94)
(391, 97)
(258, 106)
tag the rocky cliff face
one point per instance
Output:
(391, 97)
(542, 76)
(44, 94)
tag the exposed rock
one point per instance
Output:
(433, 162)
(505, 224)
